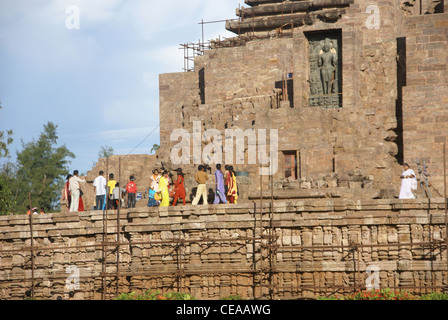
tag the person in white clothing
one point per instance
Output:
(75, 190)
(100, 190)
(408, 183)
(155, 178)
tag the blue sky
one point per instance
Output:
(98, 82)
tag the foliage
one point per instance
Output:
(156, 295)
(434, 296)
(40, 170)
(7, 182)
(6, 201)
(381, 294)
(155, 148)
(232, 297)
(5, 196)
(105, 152)
(5, 141)
(375, 294)
(329, 298)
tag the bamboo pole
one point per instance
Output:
(32, 247)
(446, 209)
(105, 231)
(118, 226)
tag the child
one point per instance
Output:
(155, 180)
(152, 202)
(116, 196)
(131, 189)
(111, 184)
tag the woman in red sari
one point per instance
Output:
(179, 188)
(66, 197)
(81, 203)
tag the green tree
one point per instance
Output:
(155, 148)
(7, 182)
(5, 196)
(105, 152)
(41, 171)
(6, 200)
(5, 140)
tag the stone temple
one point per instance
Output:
(353, 88)
(316, 104)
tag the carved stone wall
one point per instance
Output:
(272, 83)
(268, 83)
(240, 89)
(216, 251)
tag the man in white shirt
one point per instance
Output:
(408, 183)
(74, 190)
(99, 185)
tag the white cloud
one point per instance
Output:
(37, 32)
(37, 36)
(112, 63)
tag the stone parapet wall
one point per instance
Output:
(317, 247)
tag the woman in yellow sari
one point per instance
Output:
(232, 192)
(163, 189)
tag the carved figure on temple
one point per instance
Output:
(327, 63)
(315, 82)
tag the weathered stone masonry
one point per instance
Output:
(216, 255)
(319, 237)
(393, 92)
(393, 104)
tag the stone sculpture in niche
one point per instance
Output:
(325, 88)
(328, 62)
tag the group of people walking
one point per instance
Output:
(226, 190)
(162, 189)
(108, 192)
